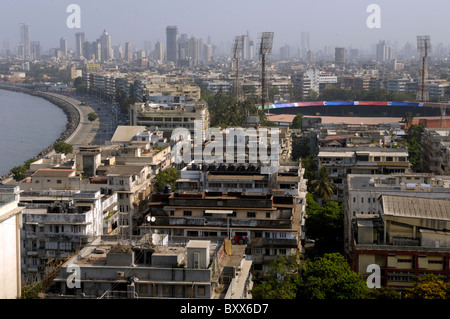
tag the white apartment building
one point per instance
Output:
(168, 117)
(10, 227)
(57, 223)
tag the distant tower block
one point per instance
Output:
(424, 48)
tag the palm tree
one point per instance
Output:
(323, 186)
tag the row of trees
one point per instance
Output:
(330, 277)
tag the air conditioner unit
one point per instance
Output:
(120, 274)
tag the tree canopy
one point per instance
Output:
(327, 277)
(167, 177)
(63, 147)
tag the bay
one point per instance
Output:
(28, 125)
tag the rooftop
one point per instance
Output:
(416, 207)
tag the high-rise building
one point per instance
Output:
(105, 42)
(63, 46)
(384, 52)
(128, 53)
(304, 45)
(25, 40)
(159, 52)
(339, 56)
(79, 42)
(172, 43)
(35, 50)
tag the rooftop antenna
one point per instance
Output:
(424, 47)
(265, 48)
(237, 49)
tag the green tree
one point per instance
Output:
(282, 281)
(19, 172)
(414, 145)
(428, 287)
(297, 122)
(323, 186)
(325, 224)
(63, 147)
(92, 116)
(167, 177)
(330, 277)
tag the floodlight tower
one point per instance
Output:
(237, 49)
(264, 49)
(424, 47)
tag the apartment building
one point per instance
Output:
(168, 117)
(409, 238)
(151, 268)
(267, 225)
(10, 248)
(132, 183)
(57, 223)
(341, 161)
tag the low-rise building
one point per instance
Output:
(151, 268)
(365, 190)
(341, 161)
(409, 238)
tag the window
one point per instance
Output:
(187, 213)
(251, 214)
(268, 215)
(362, 199)
(368, 200)
(201, 290)
(257, 267)
(58, 181)
(377, 159)
(389, 159)
(354, 199)
(282, 251)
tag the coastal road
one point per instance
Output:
(87, 132)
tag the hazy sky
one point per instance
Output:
(329, 22)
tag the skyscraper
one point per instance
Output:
(25, 40)
(159, 52)
(339, 56)
(63, 46)
(105, 42)
(79, 42)
(128, 53)
(304, 45)
(171, 43)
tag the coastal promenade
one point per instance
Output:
(79, 130)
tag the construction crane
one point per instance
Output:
(424, 47)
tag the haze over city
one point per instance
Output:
(329, 22)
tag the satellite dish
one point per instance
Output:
(151, 219)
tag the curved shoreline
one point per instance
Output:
(71, 112)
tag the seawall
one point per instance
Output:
(72, 113)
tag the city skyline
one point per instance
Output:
(328, 23)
